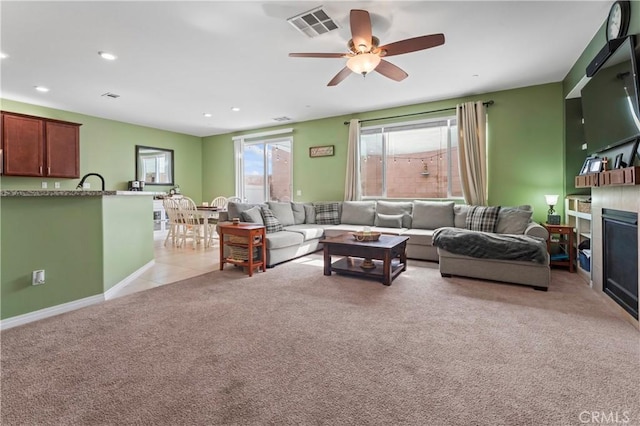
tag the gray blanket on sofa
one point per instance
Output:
(487, 245)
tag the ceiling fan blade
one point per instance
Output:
(344, 73)
(413, 44)
(360, 29)
(317, 55)
(391, 71)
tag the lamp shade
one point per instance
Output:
(552, 200)
(363, 63)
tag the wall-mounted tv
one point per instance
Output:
(610, 101)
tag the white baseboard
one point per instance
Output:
(109, 294)
(72, 306)
(51, 311)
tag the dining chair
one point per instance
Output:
(171, 208)
(221, 204)
(193, 225)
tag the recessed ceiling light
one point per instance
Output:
(207, 114)
(108, 56)
(3, 55)
(41, 88)
(235, 109)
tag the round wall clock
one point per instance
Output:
(618, 20)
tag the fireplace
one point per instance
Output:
(620, 258)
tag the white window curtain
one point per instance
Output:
(352, 180)
(472, 140)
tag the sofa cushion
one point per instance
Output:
(432, 214)
(460, 215)
(281, 239)
(298, 213)
(389, 220)
(327, 213)
(309, 213)
(308, 232)
(282, 211)
(254, 214)
(271, 222)
(513, 220)
(482, 218)
(235, 209)
(420, 237)
(396, 207)
(358, 213)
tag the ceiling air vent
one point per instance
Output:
(283, 118)
(110, 95)
(313, 22)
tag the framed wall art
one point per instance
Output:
(321, 151)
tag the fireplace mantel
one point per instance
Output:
(624, 198)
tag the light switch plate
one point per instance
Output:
(56, 185)
(86, 185)
(299, 192)
(44, 185)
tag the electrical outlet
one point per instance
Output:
(44, 185)
(56, 185)
(584, 146)
(37, 277)
(86, 185)
(299, 192)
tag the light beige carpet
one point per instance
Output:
(291, 346)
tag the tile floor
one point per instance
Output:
(174, 264)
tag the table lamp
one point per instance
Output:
(552, 218)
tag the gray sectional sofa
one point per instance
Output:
(304, 225)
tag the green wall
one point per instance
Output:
(86, 245)
(574, 137)
(58, 234)
(107, 147)
(525, 149)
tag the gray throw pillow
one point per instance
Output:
(513, 220)
(432, 214)
(254, 215)
(396, 207)
(482, 218)
(358, 213)
(235, 209)
(283, 212)
(389, 220)
(309, 213)
(271, 222)
(460, 215)
(298, 213)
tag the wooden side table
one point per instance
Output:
(565, 240)
(256, 237)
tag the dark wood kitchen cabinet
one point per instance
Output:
(41, 147)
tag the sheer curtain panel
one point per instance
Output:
(352, 180)
(472, 156)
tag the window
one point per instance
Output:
(264, 170)
(410, 160)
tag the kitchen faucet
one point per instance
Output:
(80, 185)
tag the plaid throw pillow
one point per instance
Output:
(271, 223)
(481, 218)
(328, 214)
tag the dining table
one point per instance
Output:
(206, 213)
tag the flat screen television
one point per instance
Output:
(610, 102)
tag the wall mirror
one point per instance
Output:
(154, 166)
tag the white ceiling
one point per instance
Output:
(178, 60)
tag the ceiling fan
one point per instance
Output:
(365, 54)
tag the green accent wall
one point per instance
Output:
(525, 149)
(574, 137)
(86, 245)
(107, 147)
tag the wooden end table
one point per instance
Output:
(565, 241)
(378, 256)
(256, 237)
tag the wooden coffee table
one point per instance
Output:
(376, 259)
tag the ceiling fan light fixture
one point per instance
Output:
(363, 63)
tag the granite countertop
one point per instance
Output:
(67, 193)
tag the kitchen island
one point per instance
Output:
(87, 242)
